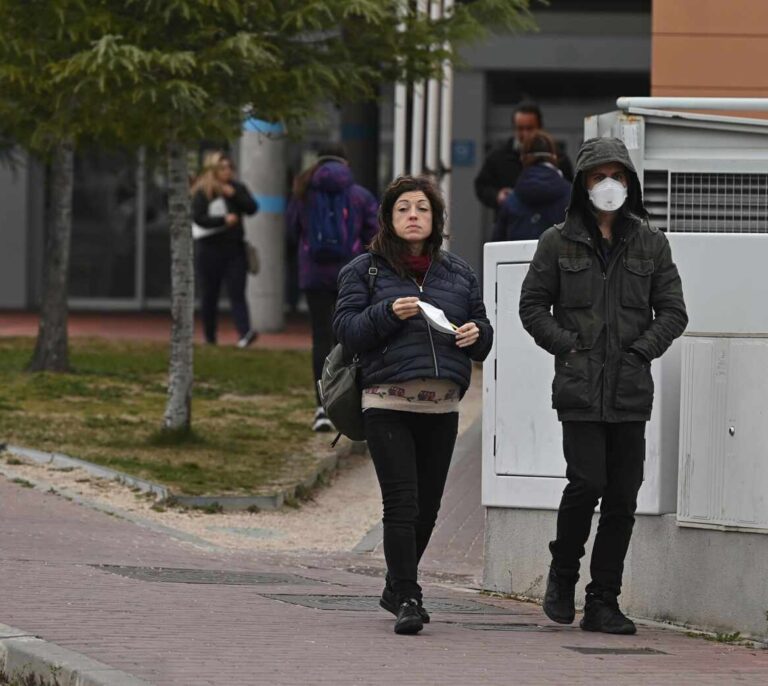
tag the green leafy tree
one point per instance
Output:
(36, 115)
(167, 73)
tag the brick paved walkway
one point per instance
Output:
(185, 634)
(153, 327)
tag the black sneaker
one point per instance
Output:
(602, 613)
(408, 618)
(558, 602)
(388, 602)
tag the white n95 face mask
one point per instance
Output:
(608, 195)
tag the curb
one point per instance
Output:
(64, 461)
(21, 653)
(371, 540)
(274, 501)
(227, 503)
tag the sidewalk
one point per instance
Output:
(234, 619)
(154, 326)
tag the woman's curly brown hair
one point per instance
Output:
(387, 243)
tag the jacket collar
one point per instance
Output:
(577, 228)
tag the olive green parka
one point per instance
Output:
(616, 315)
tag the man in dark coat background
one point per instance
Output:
(603, 295)
(503, 166)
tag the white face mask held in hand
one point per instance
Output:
(608, 195)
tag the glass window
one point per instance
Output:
(103, 252)
(157, 239)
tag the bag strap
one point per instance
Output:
(373, 272)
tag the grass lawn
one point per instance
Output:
(251, 412)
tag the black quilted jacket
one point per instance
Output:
(392, 350)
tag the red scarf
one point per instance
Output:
(418, 265)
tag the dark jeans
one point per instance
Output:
(411, 452)
(321, 304)
(605, 461)
(222, 262)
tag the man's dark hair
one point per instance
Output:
(540, 147)
(529, 107)
(387, 243)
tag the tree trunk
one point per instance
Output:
(51, 351)
(178, 410)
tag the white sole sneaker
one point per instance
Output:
(322, 424)
(249, 338)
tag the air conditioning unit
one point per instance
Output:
(705, 182)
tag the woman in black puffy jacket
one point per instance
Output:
(413, 374)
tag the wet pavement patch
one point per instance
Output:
(248, 532)
(426, 574)
(516, 626)
(615, 651)
(205, 576)
(362, 603)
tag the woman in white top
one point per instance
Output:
(218, 205)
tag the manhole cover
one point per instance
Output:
(204, 576)
(371, 602)
(615, 651)
(518, 626)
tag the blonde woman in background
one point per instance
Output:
(218, 205)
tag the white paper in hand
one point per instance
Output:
(436, 318)
(217, 208)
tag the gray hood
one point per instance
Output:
(597, 151)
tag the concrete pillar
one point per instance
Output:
(465, 212)
(262, 164)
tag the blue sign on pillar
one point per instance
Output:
(463, 152)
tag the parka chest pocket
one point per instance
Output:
(575, 281)
(636, 282)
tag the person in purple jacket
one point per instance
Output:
(332, 220)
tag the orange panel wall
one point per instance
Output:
(710, 48)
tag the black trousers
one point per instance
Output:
(217, 263)
(604, 462)
(321, 304)
(412, 453)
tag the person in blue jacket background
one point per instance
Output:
(540, 197)
(412, 376)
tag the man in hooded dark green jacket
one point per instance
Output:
(603, 295)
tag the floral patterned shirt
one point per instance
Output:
(430, 396)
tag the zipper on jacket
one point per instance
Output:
(610, 267)
(429, 328)
(607, 344)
